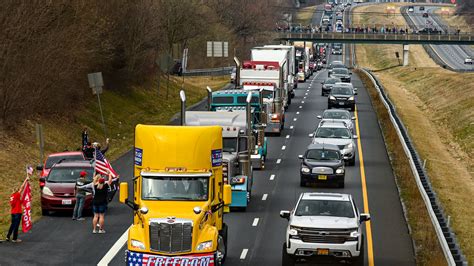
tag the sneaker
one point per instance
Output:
(7, 239)
(94, 231)
(101, 231)
(73, 218)
(81, 219)
(16, 240)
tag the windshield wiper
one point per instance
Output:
(185, 198)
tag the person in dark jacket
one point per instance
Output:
(89, 151)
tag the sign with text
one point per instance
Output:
(217, 49)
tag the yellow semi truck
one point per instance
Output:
(178, 197)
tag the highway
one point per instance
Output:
(452, 55)
(255, 236)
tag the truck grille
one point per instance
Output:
(341, 146)
(332, 236)
(171, 237)
(323, 170)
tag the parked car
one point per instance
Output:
(341, 97)
(342, 73)
(322, 163)
(327, 85)
(57, 158)
(337, 133)
(324, 225)
(468, 61)
(58, 193)
(337, 115)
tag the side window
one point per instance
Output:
(355, 208)
(242, 144)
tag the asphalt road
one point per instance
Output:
(451, 55)
(57, 240)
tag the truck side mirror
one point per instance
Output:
(285, 214)
(364, 217)
(355, 136)
(355, 91)
(300, 156)
(319, 117)
(123, 192)
(39, 167)
(227, 195)
(311, 135)
(353, 118)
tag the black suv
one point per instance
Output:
(322, 163)
(341, 97)
(327, 85)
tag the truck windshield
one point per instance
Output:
(222, 99)
(325, 208)
(175, 188)
(243, 99)
(229, 144)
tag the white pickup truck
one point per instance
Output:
(324, 225)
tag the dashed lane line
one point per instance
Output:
(244, 253)
(255, 222)
(265, 196)
(272, 177)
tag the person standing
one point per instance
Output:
(85, 138)
(89, 151)
(16, 211)
(80, 197)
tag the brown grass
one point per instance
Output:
(122, 112)
(305, 15)
(437, 106)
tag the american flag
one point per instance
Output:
(136, 259)
(102, 166)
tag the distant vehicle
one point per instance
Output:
(468, 61)
(425, 14)
(232, 75)
(58, 193)
(341, 97)
(429, 31)
(342, 73)
(337, 133)
(337, 115)
(326, 19)
(337, 51)
(57, 158)
(421, 8)
(335, 64)
(322, 163)
(411, 9)
(324, 225)
(327, 85)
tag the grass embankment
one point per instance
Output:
(437, 107)
(305, 15)
(122, 111)
(455, 21)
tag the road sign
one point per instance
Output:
(217, 49)
(95, 82)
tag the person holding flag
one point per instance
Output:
(16, 201)
(103, 167)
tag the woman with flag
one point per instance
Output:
(16, 210)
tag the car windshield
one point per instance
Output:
(338, 65)
(339, 133)
(243, 99)
(340, 71)
(175, 188)
(54, 159)
(322, 155)
(336, 115)
(68, 174)
(332, 81)
(325, 208)
(341, 90)
(222, 99)
(229, 144)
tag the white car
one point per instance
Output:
(323, 225)
(326, 19)
(338, 134)
(468, 61)
(337, 115)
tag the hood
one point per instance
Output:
(328, 222)
(177, 209)
(61, 188)
(226, 156)
(339, 75)
(335, 141)
(323, 163)
(342, 95)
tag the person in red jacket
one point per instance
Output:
(16, 211)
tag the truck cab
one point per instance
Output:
(178, 196)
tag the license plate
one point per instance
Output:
(322, 177)
(67, 202)
(324, 252)
(341, 103)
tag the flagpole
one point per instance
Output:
(95, 155)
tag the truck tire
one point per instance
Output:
(44, 212)
(286, 259)
(352, 161)
(340, 183)
(223, 233)
(302, 182)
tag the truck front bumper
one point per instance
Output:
(138, 258)
(349, 249)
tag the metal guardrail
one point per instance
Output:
(447, 238)
(208, 71)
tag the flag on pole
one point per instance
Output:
(102, 165)
(26, 222)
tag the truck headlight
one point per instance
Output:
(137, 244)
(332, 98)
(204, 245)
(351, 98)
(349, 146)
(340, 170)
(47, 191)
(305, 169)
(354, 236)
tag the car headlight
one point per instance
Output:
(349, 146)
(340, 170)
(332, 98)
(351, 98)
(137, 244)
(47, 191)
(204, 245)
(305, 169)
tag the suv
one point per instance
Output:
(342, 73)
(322, 163)
(338, 134)
(348, 85)
(335, 64)
(58, 193)
(327, 85)
(57, 158)
(337, 115)
(323, 225)
(341, 97)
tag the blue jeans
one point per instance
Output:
(80, 199)
(16, 219)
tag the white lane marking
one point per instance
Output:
(291, 127)
(114, 249)
(278, 161)
(283, 147)
(264, 197)
(307, 90)
(255, 222)
(294, 119)
(304, 97)
(306, 94)
(287, 136)
(272, 177)
(244, 253)
(297, 113)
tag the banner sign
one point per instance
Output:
(26, 222)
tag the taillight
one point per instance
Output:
(275, 118)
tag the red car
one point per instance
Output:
(58, 193)
(55, 158)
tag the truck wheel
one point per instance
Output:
(340, 183)
(223, 234)
(286, 259)
(44, 212)
(302, 183)
(352, 161)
